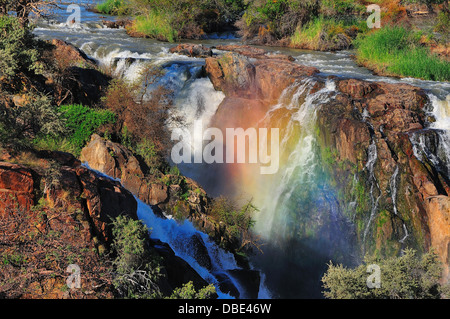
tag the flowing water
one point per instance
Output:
(289, 200)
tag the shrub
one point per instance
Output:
(187, 291)
(114, 7)
(19, 125)
(280, 18)
(443, 23)
(19, 54)
(143, 115)
(147, 150)
(82, 122)
(137, 271)
(404, 277)
(157, 25)
(237, 219)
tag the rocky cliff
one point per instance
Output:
(55, 212)
(392, 198)
(167, 194)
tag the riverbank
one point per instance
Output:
(320, 26)
(49, 113)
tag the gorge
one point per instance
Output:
(364, 160)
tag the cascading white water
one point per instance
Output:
(296, 114)
(436, 150)
(371, 160)
(393, 187)
(179, 237)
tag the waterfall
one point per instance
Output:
(434, 142)
(179, 236)
(371, 160)
(187, 242)
(295, 113)
(393, 187)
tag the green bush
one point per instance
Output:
(19, 125)
(443, 23)
(187, 291)
(82, 122)
(79, 122)
(156, 24)
(20, 53)
(238, 220)
(137, 271)
(406, 277)
(114, 7)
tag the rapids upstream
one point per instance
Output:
(275, 196)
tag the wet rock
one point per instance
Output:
(192, 50)
(71, 52)
(226, 285)
(122, 23)
(438, 211)
(177, 270)
(249, 280)
(199, 251)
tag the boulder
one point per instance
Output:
(70, 53)
(249, 280)
(226, 285)
(192, 50)
(264, 79)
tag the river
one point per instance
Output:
(288, 272)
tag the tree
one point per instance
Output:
(406, 277)
(239, 220)
(24, 8)
(20, 53)
(18, 125)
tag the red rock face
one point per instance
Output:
(264, 79)
(16, 186)
(101, 199)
